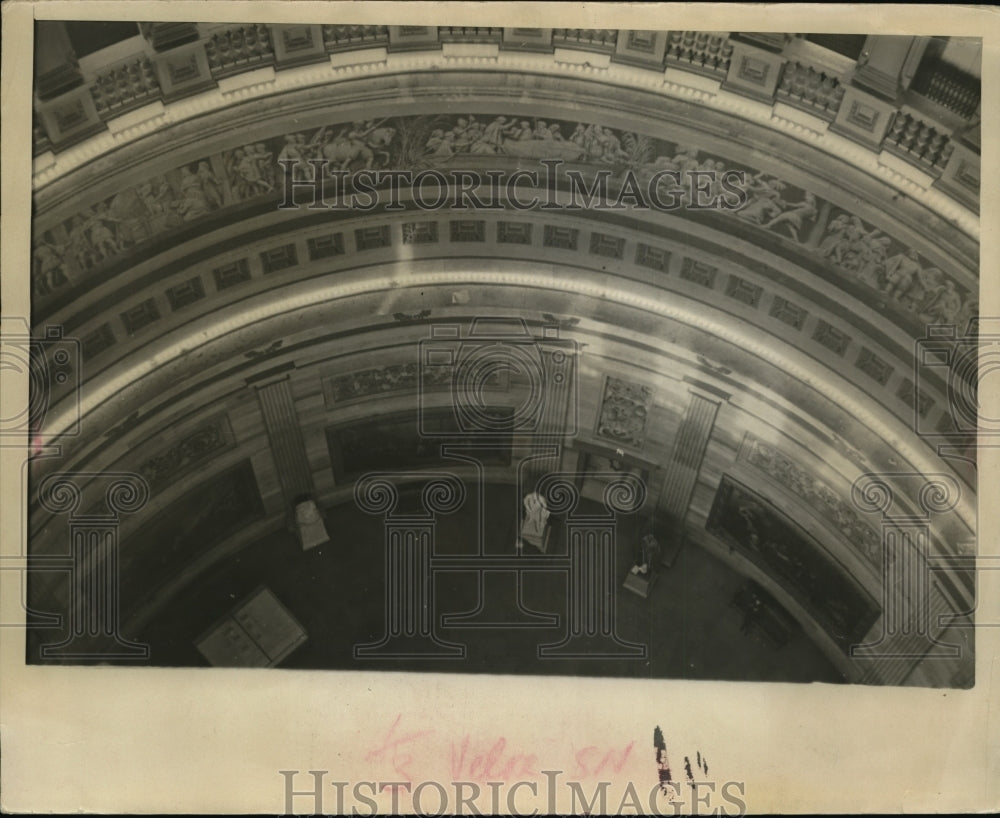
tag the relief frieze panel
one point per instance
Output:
(624, 412)
(847, 248)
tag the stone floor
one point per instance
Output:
(688, 623)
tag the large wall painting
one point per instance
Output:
(773, 542)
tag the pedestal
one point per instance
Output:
(639, 584)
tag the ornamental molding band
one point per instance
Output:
(822, 499)
(69, 249)
(624, 412)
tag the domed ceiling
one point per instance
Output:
(355, 302)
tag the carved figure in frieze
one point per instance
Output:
(264, 159)
(291, 152)
(103, 236)
(686, 158)
(765, 200)
(899, 273)
(523, 132)
(246, 172)
(473, 133)
(47, 268)
(924, 287)
(460, 135)
(193, 203)
(610, 144)
(310, 148)
(350, 148)
(434, 140)
(491, 139)
(379, 136)
(443, 146)
(591, 143)
(944, 307)
(542, 130)
(157, 199)
(795, 216)
(189, 180)
(845, 235)
(834, 235)
(710, 187)
(210, 185)
(871, 261)
(80, 248)
(241, 189)
(132, 215)
(860, 246)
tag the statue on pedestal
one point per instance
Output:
(533, 526)
(309, 523)
(646, 556)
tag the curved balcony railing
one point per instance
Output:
(344, 38)
(222, 52)
(239, 49)
(949, 87)
(125, 86)
(588, 39)
(811, 90)
(919, 143)
(700, 52)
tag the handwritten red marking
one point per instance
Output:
(590, 763)
(391, 744)
(493, 764)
